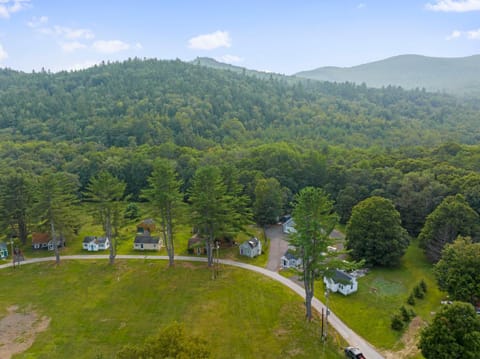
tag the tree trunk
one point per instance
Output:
(309, 280)
(113, 243)
(170, 249)
(55, 245)
(23, 231)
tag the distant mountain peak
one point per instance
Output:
(458, 75)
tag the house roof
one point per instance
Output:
(196, 241)
(39, 238)
(340, 276)
(89, 239)
(3, 246)
(290, 255)
(146, 239)
(252, 242)
(101, 239)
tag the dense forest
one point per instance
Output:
(412, 147)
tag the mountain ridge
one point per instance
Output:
(455, 75)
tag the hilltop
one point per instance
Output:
(451, 75)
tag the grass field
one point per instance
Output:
(95, 309)
(381, 293)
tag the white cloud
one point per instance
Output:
(454, 5)
(210, 41)
(69, 33)
(454, 35)
(230, 59)
(72, 46)
(3, 53)
(111, 46)
(361, 6)
(473, 34)
(37, 21)
(8, 7)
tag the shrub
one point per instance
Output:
(418, 292)
(397, 322)
(411, 299)
(405, 314)
(423, 285)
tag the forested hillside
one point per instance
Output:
(151, 102)
(412, 147)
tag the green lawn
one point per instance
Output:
(380, 295)
(95, 309)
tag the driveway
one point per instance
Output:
(278, 246)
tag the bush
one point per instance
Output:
(423, 285)
(418, 292)
(397, 322)
(411, 299)
(405, 314)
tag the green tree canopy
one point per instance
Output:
(374, 232)
(314, 221)
(164, 195)
(451, 218)
(106, 192)
(458, 271)
(454, 333)
(269, 201)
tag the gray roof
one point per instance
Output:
(88, 239)
(253, 242)
(290, 255)
(3, 245)
(146, 239)
(340, 276)
(101, 239)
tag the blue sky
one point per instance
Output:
(281, 36)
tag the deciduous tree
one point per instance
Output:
(451, 218)
(458, 271)
(454, 333)
(374, 232)
(314, 221)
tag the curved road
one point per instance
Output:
(349, 335)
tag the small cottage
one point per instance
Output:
(290, 260)
(146, 226)
(289, 226)
(145, 242)
(40, 240)
(339, 281)
(251, 248)
(197, 245)
(3, 250)
(95, 244)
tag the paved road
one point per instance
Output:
(349, 335)
(278, 246)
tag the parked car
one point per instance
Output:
(353, 353)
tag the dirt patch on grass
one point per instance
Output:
(18, 330)
(409, 341)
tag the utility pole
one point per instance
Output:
(13, 254)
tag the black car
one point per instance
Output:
(353, 353)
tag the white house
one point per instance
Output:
(94, 244)
(339, 281)
(145, 242)
(289, 226)
(251, 248)
(290, 260)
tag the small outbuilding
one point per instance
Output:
(197, 245)
(145, 242)
(95, 244)
(251, 248)
(290, 260)
(289, 226)
(3, 250)
(146, 226)
(340, 281)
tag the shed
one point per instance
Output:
(145, 242)
(146, 226)
(3, 250)
(290, 260)
(197, 245)
(340, 281)
(251, 248)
